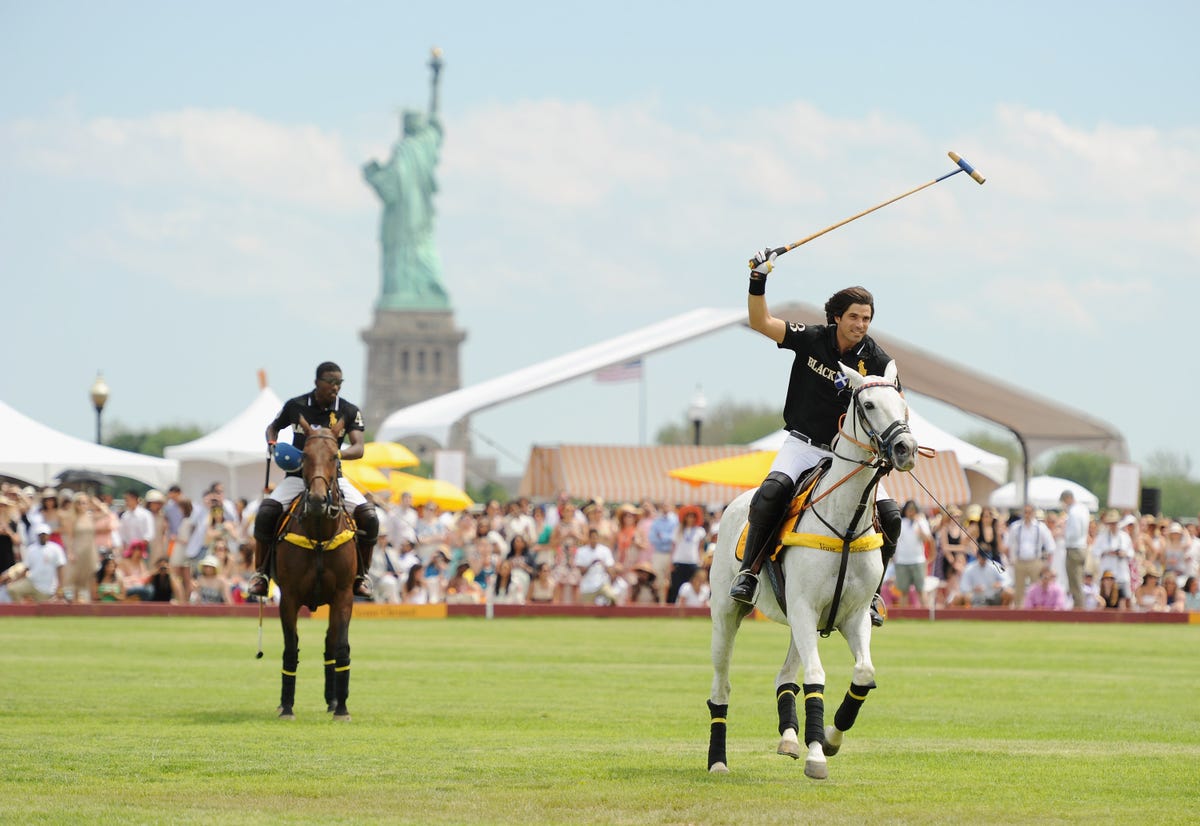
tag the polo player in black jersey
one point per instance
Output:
(817, 396)
(324, 407)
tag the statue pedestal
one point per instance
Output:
(412, 355)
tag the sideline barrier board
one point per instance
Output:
(373, 610)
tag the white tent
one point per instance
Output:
(234, 454)
(34, 453)
(1043, 493)
(928, 434)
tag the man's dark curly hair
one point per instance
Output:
(842, 299)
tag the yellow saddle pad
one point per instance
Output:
(788, 536)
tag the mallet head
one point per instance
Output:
(966, 167)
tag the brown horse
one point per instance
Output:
(315, 564)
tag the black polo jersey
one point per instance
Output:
(817, 392)
(316, 415)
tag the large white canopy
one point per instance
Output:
(1039, 424)
(1044, 492)
(233, 454)
(34, 453)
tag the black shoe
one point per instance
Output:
(362, 587)
(745, 588)
(878, 611)
(259, 585)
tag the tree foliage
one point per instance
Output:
(727, 423)
(152, 442)
(1088, 469)
(1007, 447)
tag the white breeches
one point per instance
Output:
(293, 486)
(796, 456)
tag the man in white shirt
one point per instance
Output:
(595, 563)
(1113, 549)
(1075, 538)
(1030, 545)
(43, 564)
(136, 527)
(982, 584)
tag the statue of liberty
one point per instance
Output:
(406, 185)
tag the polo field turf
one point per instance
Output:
(580, 720)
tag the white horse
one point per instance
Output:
(820, 577)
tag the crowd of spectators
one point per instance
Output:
(76, 546)
(79, 547)
(982, 557)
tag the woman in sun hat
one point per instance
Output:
(211, 588)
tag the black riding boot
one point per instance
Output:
(368, 533)
(888, 513)
(265, 523)
(766, 509)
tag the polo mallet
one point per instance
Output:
(962, 166)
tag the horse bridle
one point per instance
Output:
(882, 444)
(333, 492)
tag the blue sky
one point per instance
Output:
(181, 200)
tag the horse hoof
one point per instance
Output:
(789, 747)
(816, 769)
(718, 768)
(831, 744)
(285, 713)
(344, 717)
(332, 707)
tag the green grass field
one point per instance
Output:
(590, 721)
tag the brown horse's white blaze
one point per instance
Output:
(823, 588)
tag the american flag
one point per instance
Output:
(625, 371)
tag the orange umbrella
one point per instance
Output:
(744, 471)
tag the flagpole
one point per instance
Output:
(642, 407)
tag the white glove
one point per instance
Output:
(763, 261)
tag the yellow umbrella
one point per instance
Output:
(744, 471)
(447, 496)
(364, 476)
(388, 455)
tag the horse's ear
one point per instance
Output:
(304, 425)
(853, 377)
(339, 427)
(889, 372)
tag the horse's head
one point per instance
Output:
(878, 414)
(319, 465)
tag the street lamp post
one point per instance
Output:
(697, 412)
(99, 397)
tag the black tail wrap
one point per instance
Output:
(814, 713)
(785, 699)
(847, 712)
(716, 733)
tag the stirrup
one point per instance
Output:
(744, 588)
(878, 611)
(259, 585)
